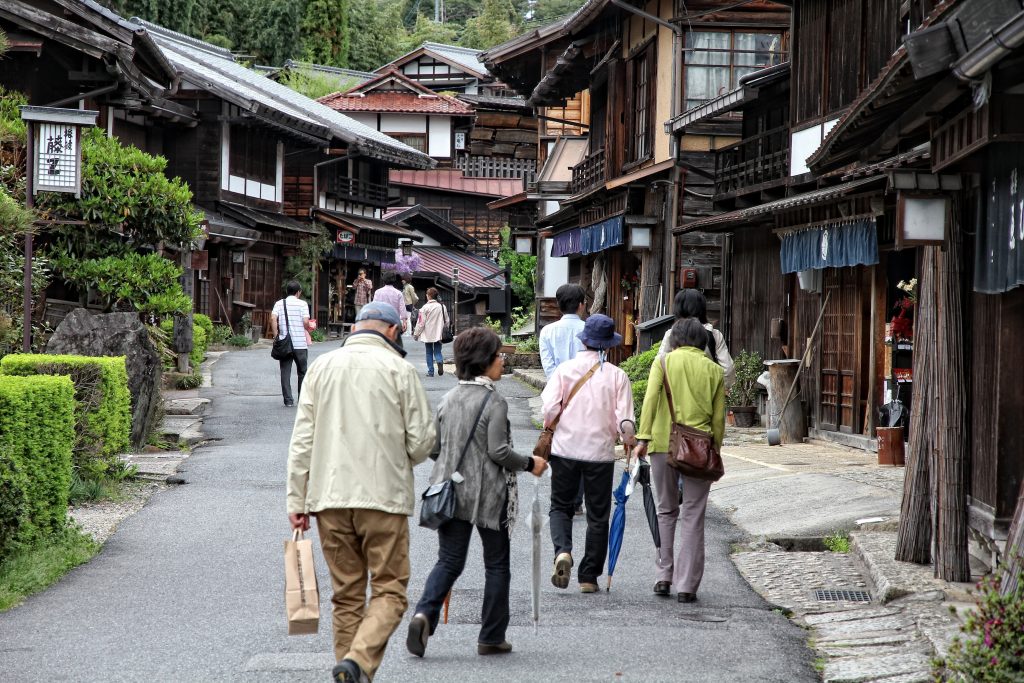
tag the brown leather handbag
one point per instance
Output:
(543, 447)
(691, 452)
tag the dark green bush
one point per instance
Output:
(220, 334)
(239, 340)
(199, 338)
(638, 369)
(204, 322)
(37, 432)
(103, 415)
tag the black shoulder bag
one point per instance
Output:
(439, 500)
(447, 336)
(282, 348)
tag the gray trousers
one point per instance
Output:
(687, 569)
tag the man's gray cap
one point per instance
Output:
(378, 310)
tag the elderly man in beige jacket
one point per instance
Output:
(363, 423)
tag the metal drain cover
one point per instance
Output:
(841, 595)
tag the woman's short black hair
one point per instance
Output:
(690, 303)
(689, 332)
(475, 350)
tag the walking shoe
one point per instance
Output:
(563, 568)
(440, 370)
(419, 632)
(289, 404)
(663, 588)
(502, 648)
(587, 587)
(687, 597)
(430, 374)
(347, 671)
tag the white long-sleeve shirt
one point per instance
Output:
(559, 343)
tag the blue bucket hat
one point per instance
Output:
(599, 332)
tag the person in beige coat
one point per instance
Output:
(363, 423)
(429, 328)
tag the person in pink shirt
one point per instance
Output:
(583, 447)
(391, 293)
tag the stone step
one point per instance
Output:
(182, 429)
(892, 579)
(909, 666)
(186, 406)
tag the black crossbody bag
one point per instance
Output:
(283, 348)
(438, 505)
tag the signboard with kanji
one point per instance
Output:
(346, 237)
(56, 154)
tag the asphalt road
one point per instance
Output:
(190, 588)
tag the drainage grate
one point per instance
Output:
(831, 595)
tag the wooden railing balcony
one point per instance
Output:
(355, 190)
(588, 174)
(497, 167)
(752, 162)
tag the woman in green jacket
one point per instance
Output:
(698, 393)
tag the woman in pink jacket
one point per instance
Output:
(432, 320)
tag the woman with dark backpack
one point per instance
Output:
(474, 452)
(688, 388)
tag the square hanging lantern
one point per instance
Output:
(524, 244)
(639, 237)
(56, 157)
(922, 219)
(406, 247)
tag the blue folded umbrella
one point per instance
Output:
(618, 525)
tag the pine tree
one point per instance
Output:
(378, 35)
(325, 32)
(429, 31)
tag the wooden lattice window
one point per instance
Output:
(640, 86)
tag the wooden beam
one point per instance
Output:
(60, 30)
(919, 114)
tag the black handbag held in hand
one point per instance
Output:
(439, 499)
(447, 335)
(282, 348)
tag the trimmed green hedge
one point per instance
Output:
(103, 413)
(638, 369)
(37, 433)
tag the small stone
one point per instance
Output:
(175, 480)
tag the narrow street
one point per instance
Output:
(190, 588)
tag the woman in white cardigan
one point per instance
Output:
(690, 303)
(429, 328)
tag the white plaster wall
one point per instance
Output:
(367, 119)
(556, 270)
(804, 143)
(403, 123)
(439, 143)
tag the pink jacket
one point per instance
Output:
(431, 322)
(589, 426)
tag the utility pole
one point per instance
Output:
(439, 11)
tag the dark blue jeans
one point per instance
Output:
(453, 545)
(433, 354)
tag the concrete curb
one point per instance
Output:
(877, 569)
(532, 377)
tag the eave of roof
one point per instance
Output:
(729, 219)
(730, 101)
(441, 52)
(257, 218)
(365, 223)
(398, 215)
(216, 67)
(417, 99)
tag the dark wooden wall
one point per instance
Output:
(758, 292)
(469, 212)
(193, 154)
(839, 47)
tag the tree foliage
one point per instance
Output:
(126, 203)
(148, 283)
(523, 268)
(378, 35)
(302, 266)
(315, 85)
(492, 26)
(325, 30)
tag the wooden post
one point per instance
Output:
(952, 562)
(30, 201)
(914, 538)
(182, 333)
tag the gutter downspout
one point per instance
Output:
(669, 259)
(988, 53)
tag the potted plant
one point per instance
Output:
(743, 393)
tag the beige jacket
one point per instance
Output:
(362, 424)
(430, 326)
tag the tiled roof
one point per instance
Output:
(361, 223)
(256, 218)
(449, 180)
(472, 269)
(463, 57)
(413, 99)
(214, 68)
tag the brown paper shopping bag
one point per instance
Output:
(301, 595)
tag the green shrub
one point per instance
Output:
(239, 340)
(37, 432)
(204, 322)
(639, 390)
(745, 388)
(149, 283)
(199, 339)
(991, 645)
(103, 416)
(837, 542)
(638, 367)
(529, 345)
(193, 381)
(220, 334)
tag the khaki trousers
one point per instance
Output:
(357, 542)
(687, 569)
